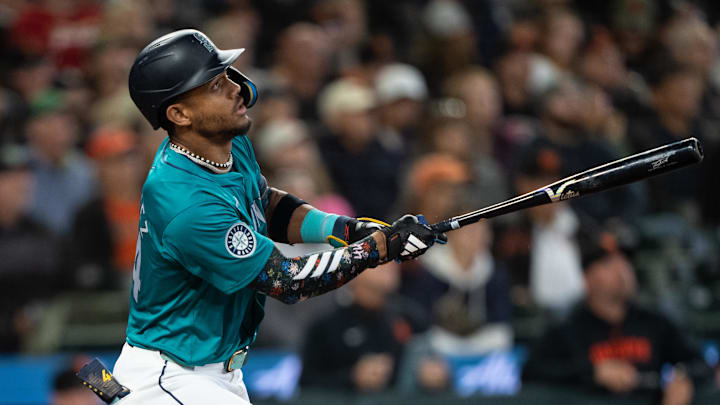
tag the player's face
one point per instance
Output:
(217, 108)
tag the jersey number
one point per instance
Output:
(138, 258)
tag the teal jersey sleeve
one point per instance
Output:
(210, 241)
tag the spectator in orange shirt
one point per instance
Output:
(105, 230)
(611, 345)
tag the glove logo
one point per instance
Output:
(240, 241)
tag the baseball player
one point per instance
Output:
(205, 259)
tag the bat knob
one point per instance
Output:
(443, 226)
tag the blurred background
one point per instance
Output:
(378, 108)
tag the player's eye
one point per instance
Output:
(216, 85)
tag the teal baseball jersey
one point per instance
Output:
(201, 241)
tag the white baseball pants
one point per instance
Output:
(153, 380)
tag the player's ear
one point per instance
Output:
(179, 114)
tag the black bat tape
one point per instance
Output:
(616, 173)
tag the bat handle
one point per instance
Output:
(445, 226)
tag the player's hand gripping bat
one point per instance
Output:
(641, 166)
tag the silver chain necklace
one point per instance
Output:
(214, 166)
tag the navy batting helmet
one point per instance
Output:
(176, 63)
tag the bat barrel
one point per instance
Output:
(617, 173)
(624, 171)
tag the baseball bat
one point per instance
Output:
(623, 171)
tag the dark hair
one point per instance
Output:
(664, 67)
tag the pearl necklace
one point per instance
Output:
(214, 166)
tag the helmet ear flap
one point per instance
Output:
(248, 90)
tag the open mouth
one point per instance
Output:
(241, 109)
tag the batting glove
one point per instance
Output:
(408, 238)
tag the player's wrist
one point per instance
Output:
(317, 226)
(380, 242)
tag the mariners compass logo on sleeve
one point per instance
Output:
(240, 241)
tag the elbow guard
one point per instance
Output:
(278, 225)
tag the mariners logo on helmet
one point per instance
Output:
(204, 41)
(240, 241)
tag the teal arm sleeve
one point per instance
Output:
(317, 226)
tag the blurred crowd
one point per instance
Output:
(376, 108)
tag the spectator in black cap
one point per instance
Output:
(611, 345)
(540, 248)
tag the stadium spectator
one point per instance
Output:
(602, 64)
(448, 136)
(539, 247)
(285, 144)
(677, 93)
(519, 123)
(600, 120)
(634, 23)
(609, 344)
(126, 22)
(434, 186)
(104, 236)
(477, 88)
(24, 273)
(236, 27)
(358, 347)
(64, 179)
(464, 292)
(345, 23)
(513, 73)
(110, 69)
(566, 113)
(364, 171)
(401, 91)
(562, 34)
(691, 42)
(292, 160)
(301, 65)
(449, 43)
(452, 136)
(32, 79)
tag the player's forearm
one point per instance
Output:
(286, 229)
(291, 220)
(291, 280)
(295, 225)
